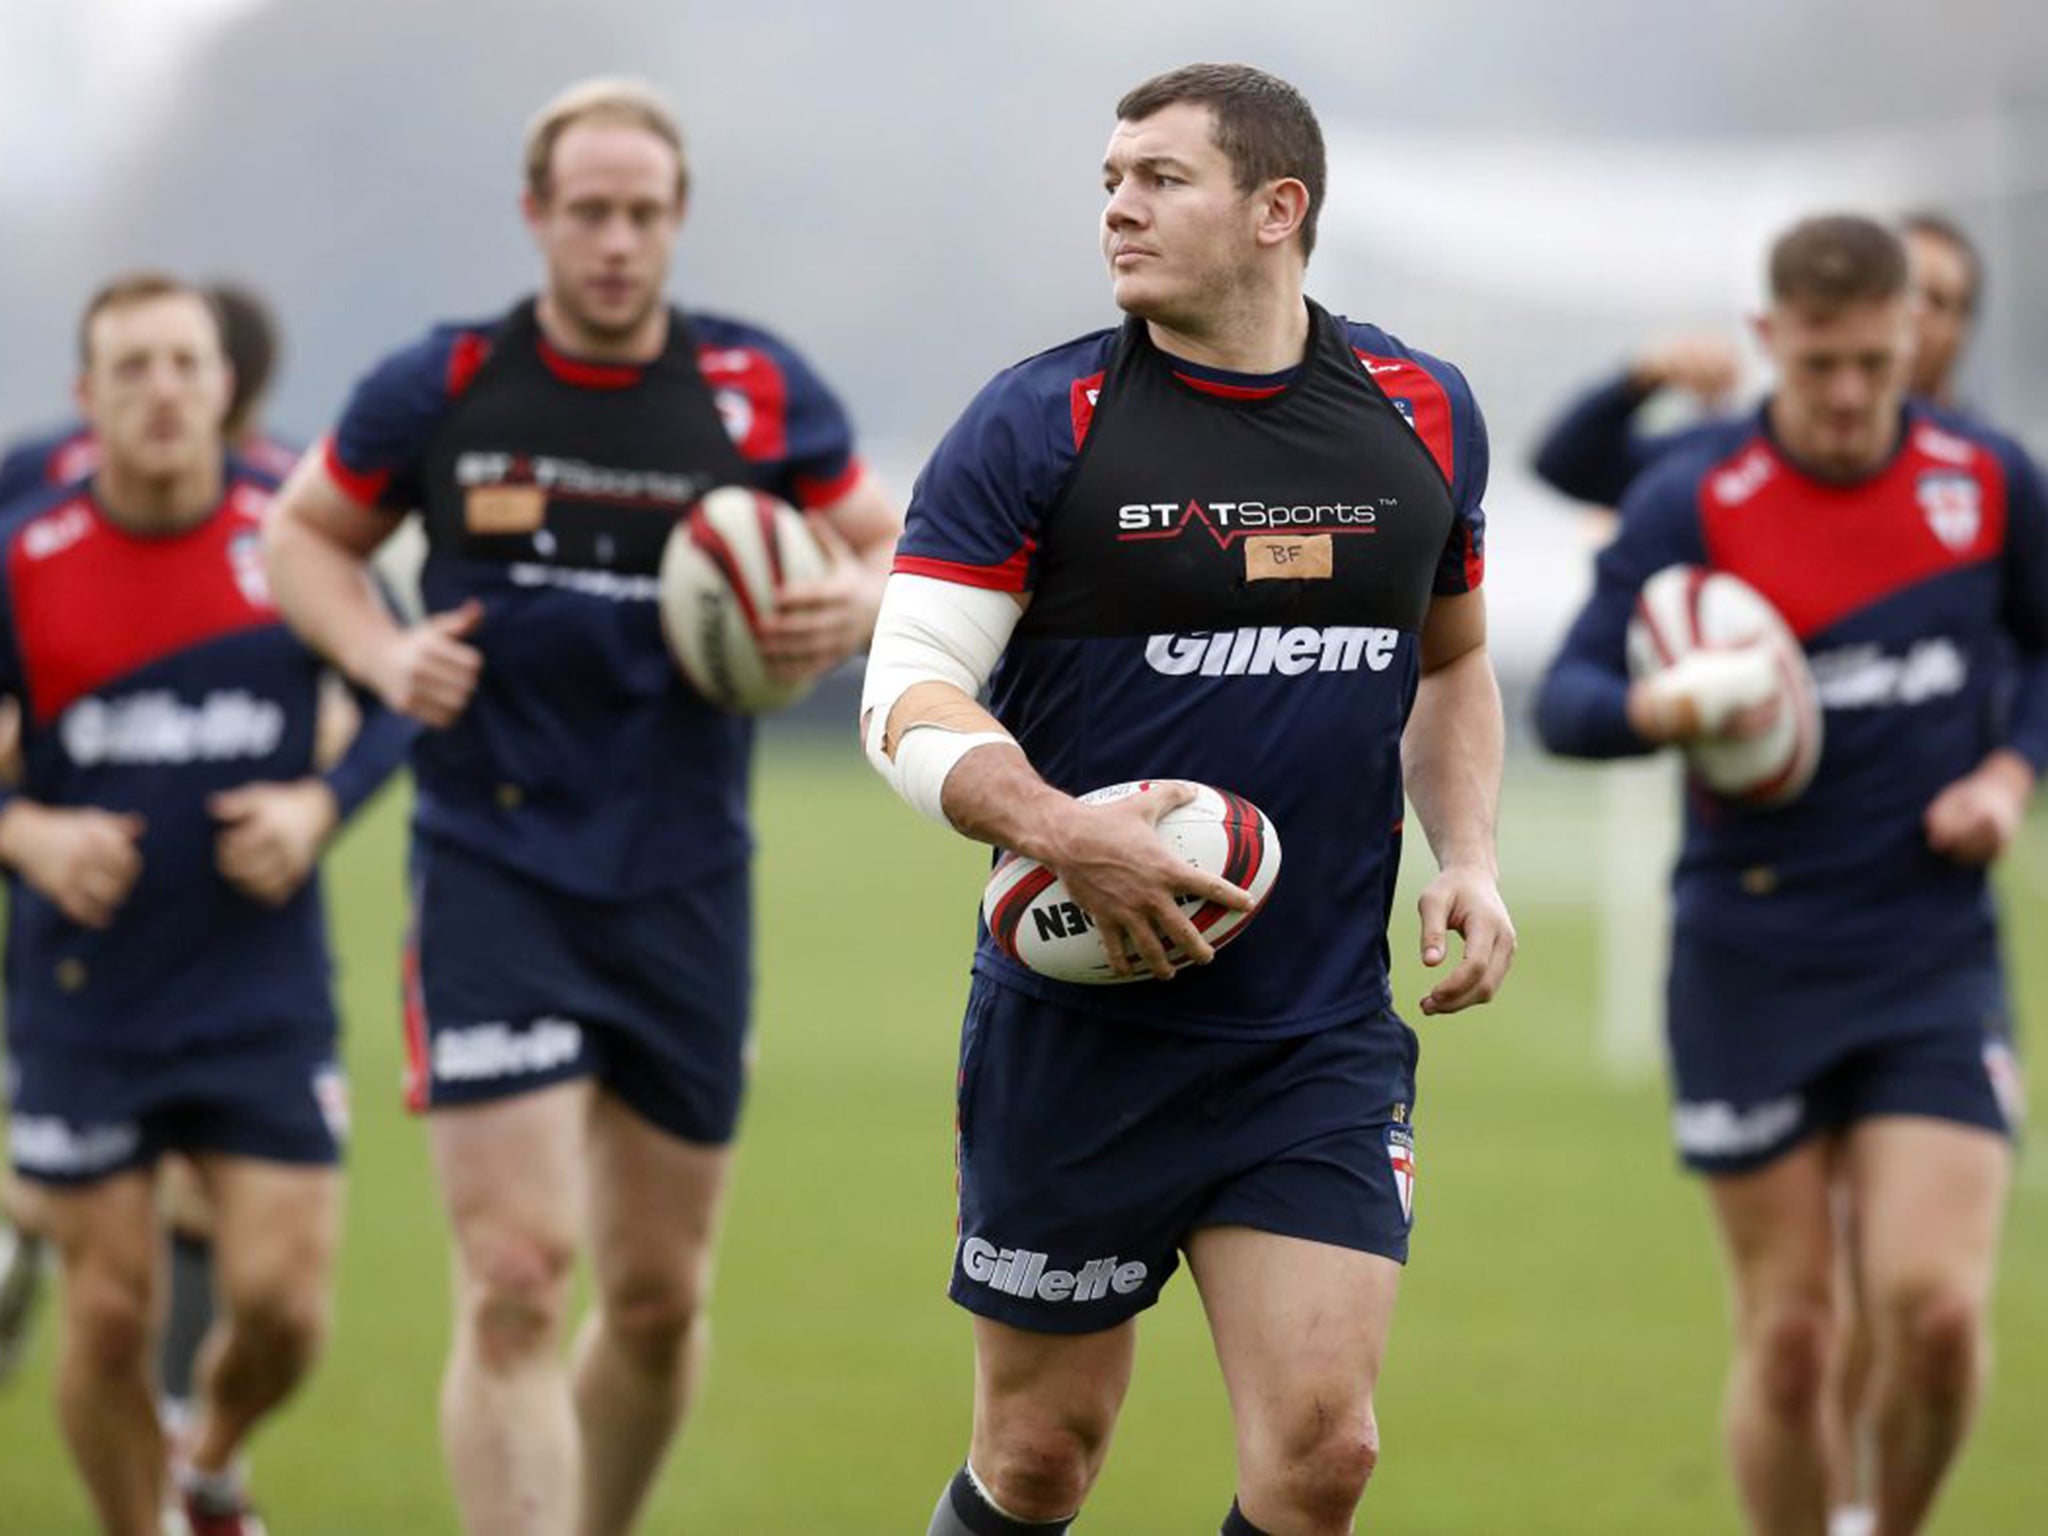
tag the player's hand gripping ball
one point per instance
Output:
(1036, 922)
(1714, 639)
(723, 572)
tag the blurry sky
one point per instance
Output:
(908, 188)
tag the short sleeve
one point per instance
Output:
(977, 507)
(377, 449)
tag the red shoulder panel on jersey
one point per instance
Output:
(93, 603)
(1081, 397)
(1940, 505)
(1010, 576)
(752, 398)
(469, 353)
(1401, 378)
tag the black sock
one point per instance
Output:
(964, 1511)
(190, 1312)
(1237, 1525)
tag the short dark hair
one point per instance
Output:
(1829, 262)
(1264, 126)
(249, 336)
(138, 287)
(1925, 221)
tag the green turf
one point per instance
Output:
(1555, 1365)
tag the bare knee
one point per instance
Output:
(653, 1322)
(285, 1321)
(1939, 1333)
(1040, 1467)
(515, 1295)
(108, 1323)
(1789, 1348)
(1316, 1465)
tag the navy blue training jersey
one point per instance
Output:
(1920, 594)
(71, 452)
(153, 672)
(1226, 577)
(547, 485)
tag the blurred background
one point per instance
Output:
(908, 189)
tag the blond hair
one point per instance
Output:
(607, 98)
(138, 287)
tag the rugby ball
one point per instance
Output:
(1687, 608)
(1035, 921)
(723, 571)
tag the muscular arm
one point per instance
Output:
(317, 546)
(935, 645)
(1451, 758)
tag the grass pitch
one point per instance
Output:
(1556, 1362)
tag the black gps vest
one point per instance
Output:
(531, 465)
(1191, 511)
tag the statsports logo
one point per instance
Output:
(1228, 521)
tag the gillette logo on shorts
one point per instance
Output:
(1022, 1272)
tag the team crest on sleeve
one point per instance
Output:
(245, 559)
(1953, 505)
(736, 411)
(1401, 1158)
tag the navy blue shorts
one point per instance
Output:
(1089, 1150)
(1767, 1054)
(513, 986)
(75, 1117)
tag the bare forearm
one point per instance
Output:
(994, 795)
(1451, 757)
(324, 591)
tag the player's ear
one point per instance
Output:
(532, 209)
(1282, 205)
(1761, 328)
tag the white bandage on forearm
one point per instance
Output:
(924, 758)
(930, 631)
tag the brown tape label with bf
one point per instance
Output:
(1288, 557)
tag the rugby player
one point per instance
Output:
(167, 962)
(1595, 449)
(1836, 1008)
(578, 983)
(249, 335)
(250, 339)
(1235, 460)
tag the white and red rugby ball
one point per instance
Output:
(1688, 608)
(723, 573)
(1035, 921)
